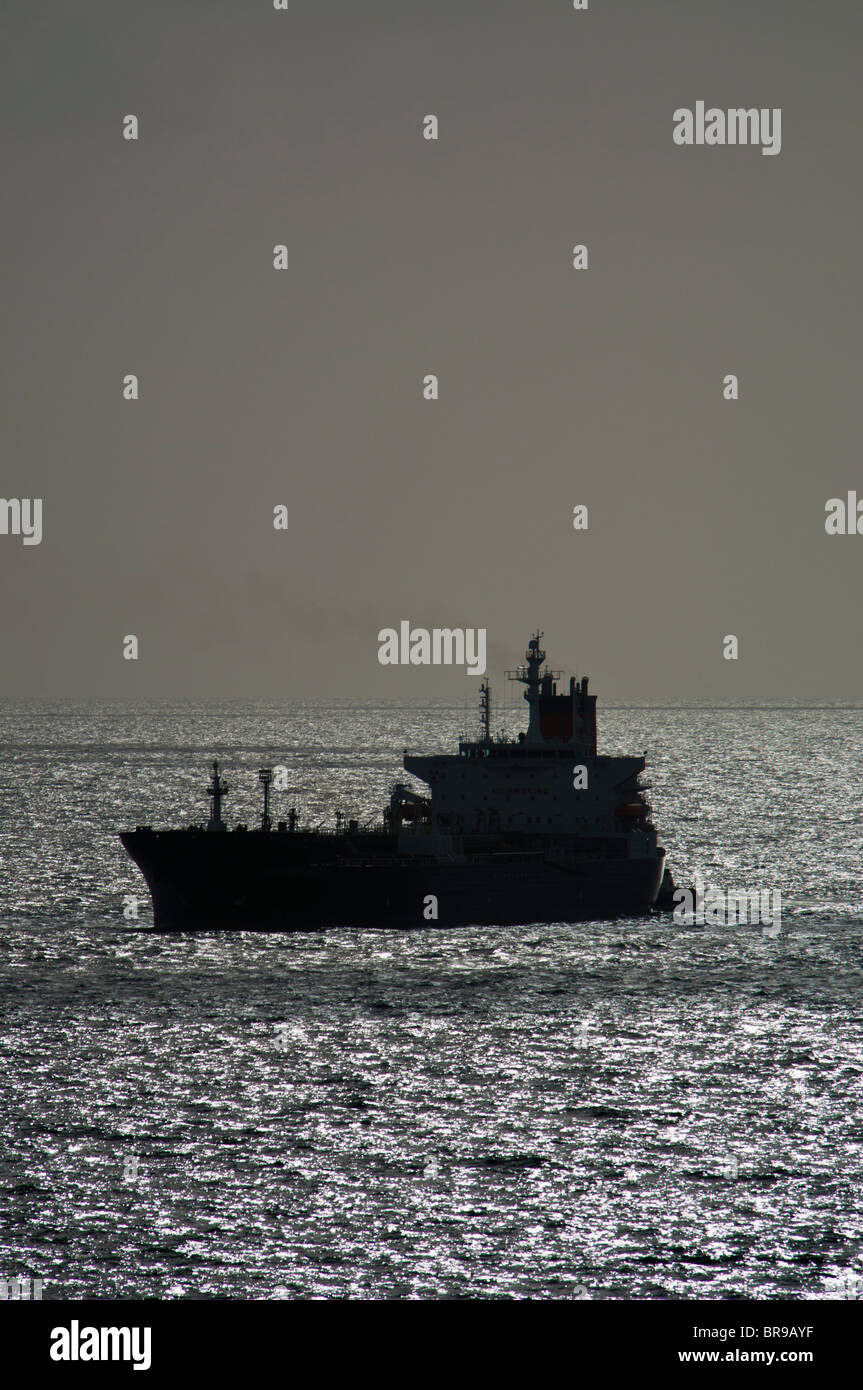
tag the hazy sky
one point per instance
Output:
(409, 257)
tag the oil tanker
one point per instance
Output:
(533, 828)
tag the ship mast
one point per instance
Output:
(265, 777)
(531, 674)
(217, 789)
(485, 711)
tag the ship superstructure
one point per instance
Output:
(549, 784)
(538, 827)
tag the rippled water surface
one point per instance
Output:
(622, 1110)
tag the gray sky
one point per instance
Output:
(409, 257)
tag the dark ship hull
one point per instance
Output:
(254, 881)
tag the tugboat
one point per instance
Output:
(537, 828)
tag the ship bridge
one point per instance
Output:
(548, 781)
